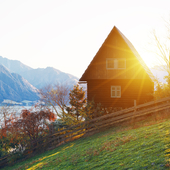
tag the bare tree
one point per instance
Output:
(57, 95)
(161, 47)
(162, 50)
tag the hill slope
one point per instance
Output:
(118, 148)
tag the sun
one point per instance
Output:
(151, 59)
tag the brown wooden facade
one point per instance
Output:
(117, 74)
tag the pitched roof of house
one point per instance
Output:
(132, 49)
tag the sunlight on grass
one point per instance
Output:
(40, 164)
(36, 166)
(68, 147)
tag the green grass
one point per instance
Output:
(147, 147)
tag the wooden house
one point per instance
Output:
(117, 76)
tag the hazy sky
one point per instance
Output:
(66, 34)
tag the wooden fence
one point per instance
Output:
(92, 126)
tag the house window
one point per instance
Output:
(114, 63)
(115, 91)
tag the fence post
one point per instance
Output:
(135, 105)
(132, 120)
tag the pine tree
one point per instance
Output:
(77, 102)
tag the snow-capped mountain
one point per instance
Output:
(15, 87)
(44, 76)
(14, 66)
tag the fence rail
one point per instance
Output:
(91, 126)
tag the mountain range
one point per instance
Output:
(39, 77)
(20, 82)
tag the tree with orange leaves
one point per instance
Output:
(28, 128)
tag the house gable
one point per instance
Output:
(115, 51)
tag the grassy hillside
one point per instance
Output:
(146, 147)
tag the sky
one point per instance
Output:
(66, 34)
